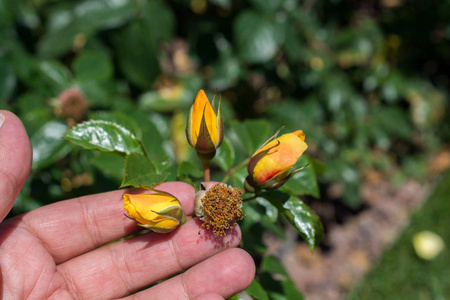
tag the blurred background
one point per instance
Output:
(367, 81)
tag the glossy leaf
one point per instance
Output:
(121, 119)
(271, 211)
(48, 144)
(300, 215)
(104, 136)
(140, 172)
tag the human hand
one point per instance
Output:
(61, 251)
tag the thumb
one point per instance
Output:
(15, 160)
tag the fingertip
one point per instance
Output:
(243, 266)
(15, 159)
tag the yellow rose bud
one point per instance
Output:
(204, 129)
(159, 211)
(270, 165)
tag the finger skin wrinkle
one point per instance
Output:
(176, 251)
(119, 257)
(90, 223)
(71, 286)
(184, 287)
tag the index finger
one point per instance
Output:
(73, 227)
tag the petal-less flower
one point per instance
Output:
(204, 129)
(219, 206)
(158, 211)
(271, 165)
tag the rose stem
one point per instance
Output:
(206, 170)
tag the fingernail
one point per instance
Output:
(2, 119)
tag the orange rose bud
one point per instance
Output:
(271, 165)
(204, 129)
(158, 211)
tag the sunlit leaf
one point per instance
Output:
(104, 136)
(271, 211)
(300, 215)
(48, 144)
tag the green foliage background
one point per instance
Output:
(367, 83)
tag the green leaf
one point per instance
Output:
(48, 144)
(56, 74)
(303, 182)
(268, 6)
(159, 20)
(225, 155)
(119, 118)
(82, 20)
(137, 55)
(272, 265)
(187, 168)
(271, 211)
(104, 136)
(110, 165)
(290, 290)
(257, 291)
(251, 134)
(92, 65)
(104, 14)
(154, 101)
(8, 79)
(140, 172)
(257, 37)
(300, 215)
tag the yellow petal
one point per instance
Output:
(143, 208)
(285, 152)
(202, 107)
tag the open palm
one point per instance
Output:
(64, 250)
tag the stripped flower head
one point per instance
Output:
(204, 129)
(219, 207)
